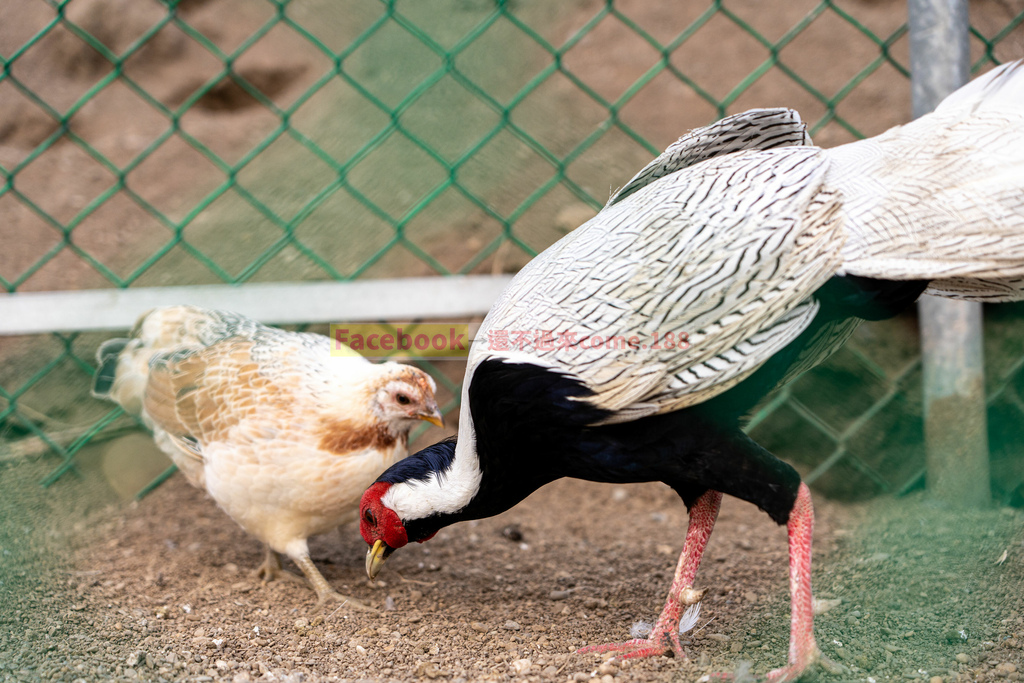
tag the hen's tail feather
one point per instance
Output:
(107, 357)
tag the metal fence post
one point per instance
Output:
(951, 331)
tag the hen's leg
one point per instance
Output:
(324, 592)
(271, 568)
(665, 636)
(803, 650)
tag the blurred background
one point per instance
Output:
(148, 143)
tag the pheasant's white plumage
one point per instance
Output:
(762, 252)
(724, 238)
(940, 198)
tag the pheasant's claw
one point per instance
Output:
(831, 666)
(786, 674)
(657, 644)
(631, 649)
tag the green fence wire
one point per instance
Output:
(155, 143)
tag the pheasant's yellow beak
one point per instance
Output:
(376, 556)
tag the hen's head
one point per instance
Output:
(405, 503)
(403, 396)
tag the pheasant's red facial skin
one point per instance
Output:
(377, 522)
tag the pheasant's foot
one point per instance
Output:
(634, 649)
(664, 638)
(791, 672)
(803, 650)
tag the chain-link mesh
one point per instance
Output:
(151, 143)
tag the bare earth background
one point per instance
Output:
(93, 587)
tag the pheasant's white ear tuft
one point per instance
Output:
(689, 618)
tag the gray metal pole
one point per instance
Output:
(951, 332)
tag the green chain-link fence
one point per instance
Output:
(147, 143)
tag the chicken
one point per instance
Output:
(282, 435)
(739, 258)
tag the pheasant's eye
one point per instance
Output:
(368, 516)
(403, 400)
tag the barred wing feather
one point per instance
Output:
(724, 252)
(749, 130)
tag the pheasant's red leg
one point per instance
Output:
(664, 636)
(803, 651)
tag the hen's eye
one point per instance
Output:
(403, 399)
(368, 516)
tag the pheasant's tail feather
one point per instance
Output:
(941, 199)
(985, 290)
(106, 372)
(998, 87)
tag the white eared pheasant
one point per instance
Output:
(761, 254)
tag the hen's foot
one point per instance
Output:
(324, 592)
(271, 570)
(331, 596)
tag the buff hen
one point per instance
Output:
(282, 435)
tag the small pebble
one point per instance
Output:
(478, 627)
(962, 658)
(824, 605)
(522, 666)
(718, 637)
(511, 626)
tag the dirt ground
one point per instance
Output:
(162, 590)
(94, 587)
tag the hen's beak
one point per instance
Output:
(376, 556)
(432, 415)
